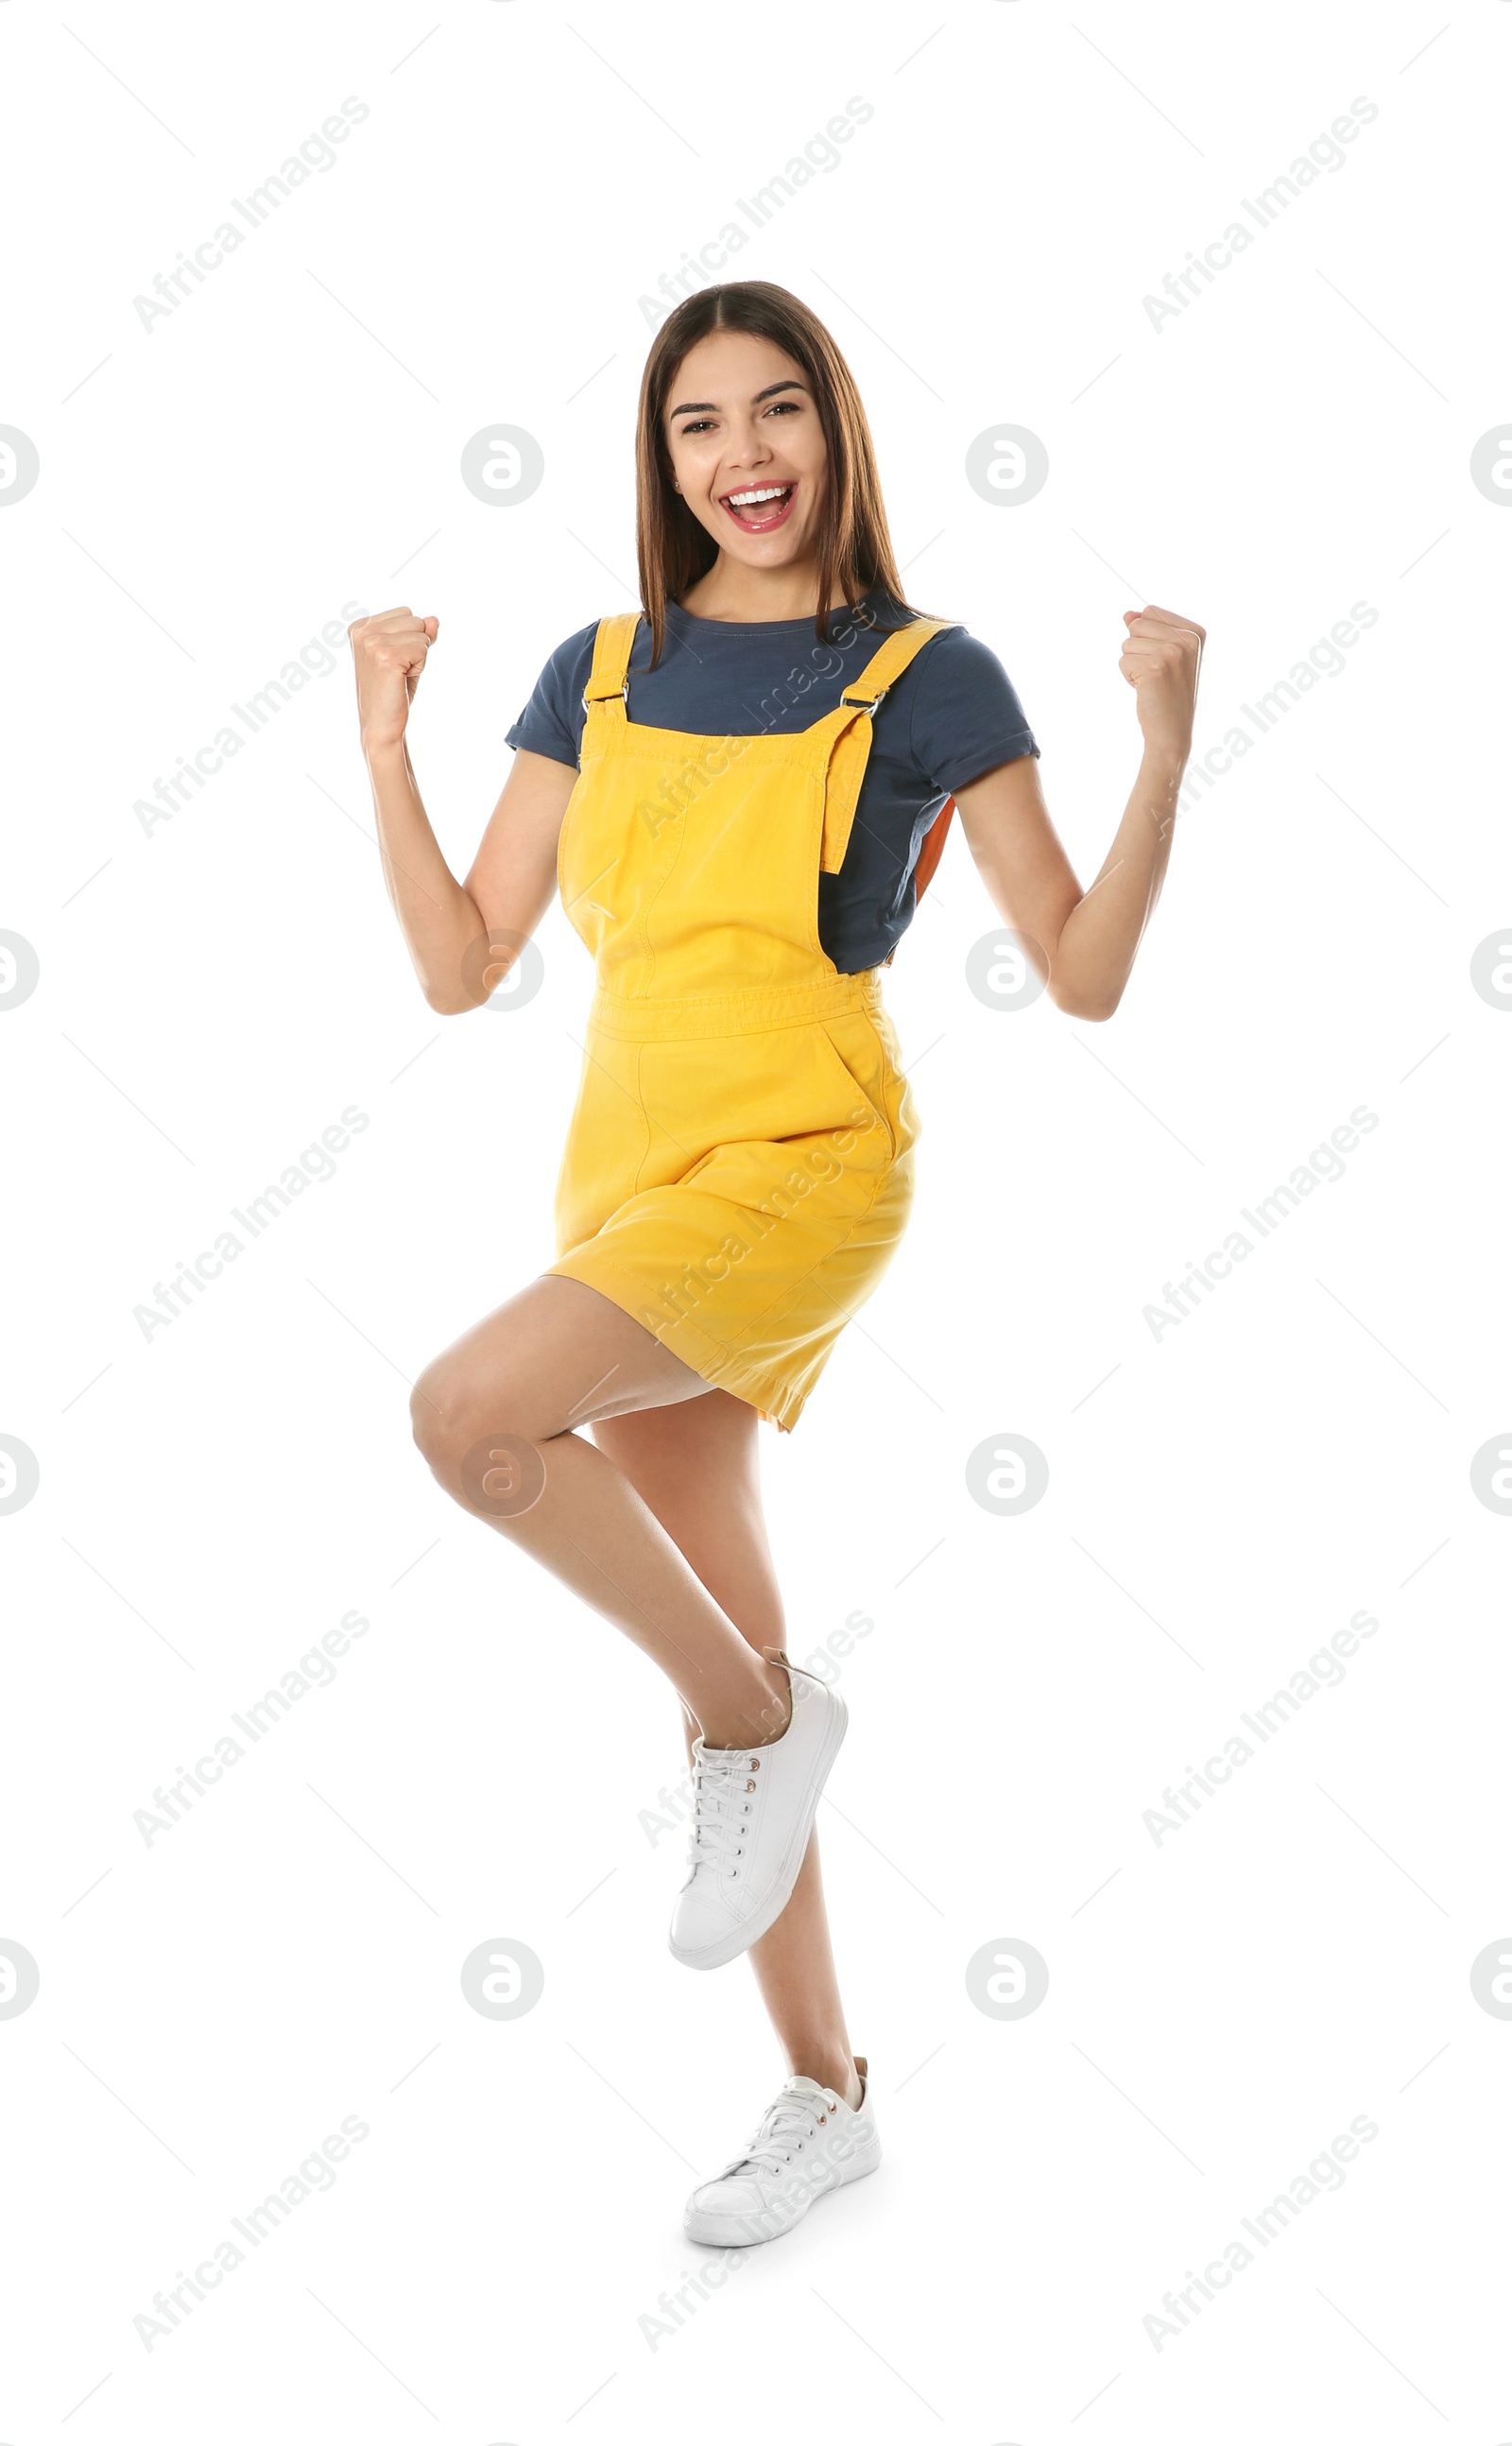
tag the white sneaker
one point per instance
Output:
(809, 2141)
(753, 1810)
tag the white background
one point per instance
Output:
(214, 992)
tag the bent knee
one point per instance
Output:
(430, 1411)
(452, 1411)
(444, 1413)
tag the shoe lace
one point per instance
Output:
(784, 2128)
(723, 1781)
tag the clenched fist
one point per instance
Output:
(389, 650)
(1159, 660)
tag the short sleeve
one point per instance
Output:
(551, 723)
(966, 715)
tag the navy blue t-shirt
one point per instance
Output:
(952, 716)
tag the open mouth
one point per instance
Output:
(759, 508)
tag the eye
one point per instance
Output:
(698, 424)
(785, 408)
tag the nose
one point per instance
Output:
(751, 448)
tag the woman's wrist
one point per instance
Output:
(1163, 764)
(1158, 788)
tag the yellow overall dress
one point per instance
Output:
(739, 1166)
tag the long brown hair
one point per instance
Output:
(672, 547)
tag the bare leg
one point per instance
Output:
(696, 1466)
(494, 1416)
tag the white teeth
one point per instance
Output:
(749, 500)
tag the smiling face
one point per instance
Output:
(747, 448)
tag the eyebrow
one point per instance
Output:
(706, 406)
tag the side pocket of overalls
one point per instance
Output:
(902, 1112)
(861, 1060)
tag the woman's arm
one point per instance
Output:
(462, 937)
(1083, 943)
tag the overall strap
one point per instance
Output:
(609, 688)
(850, 731)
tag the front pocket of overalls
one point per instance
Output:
(769, 1115)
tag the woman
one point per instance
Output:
(739, 797)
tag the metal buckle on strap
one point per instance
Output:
(861, 703)
(624, 692)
